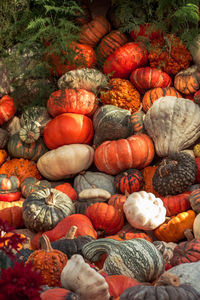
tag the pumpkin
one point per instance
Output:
(154, 94)
(4, 135)
(43, 209)
(172, 230)
(71, 245)
(148, 173)
(21, 168)
(93, 31)
(176, 204)
(111, 123)
(77, 101)
(121, 94)
(174, 174)
(7, 108)
(117, 200)
(68, 190)
(11, 212)
(3, 156)
(137, 207)
(196, 227)
(130, 180)
(8, 184)
(32, 184)
(89, 180)
(83, 223)
(85, 78)
(179, 127)
(194, 199)
(136, 258)
(59, 294)
(68, 128)
(10, 196)
(137, 120)
(112, 157)
(125, 59)
(65, 161)
(49, 261)
(166, 249)
(105, 218)
(148, 78)
(188, 80)
(19, 149)
(197, 161)
(73, 278)
(109, 43)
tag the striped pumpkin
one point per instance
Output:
(109, 43)
(129, 181)
(136, 258)
(148, 173)
(154, 94)
(194, 200)
(117, 200)
(176, 204)
(11, 212)
(137, 120)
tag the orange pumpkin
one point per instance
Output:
(59, 294)
(68, 190)
(173, 229)
(93, 31)
(12, 213)
(7, 109)
(3, 156)
(148, 174)
(176, 204)
(136, 152)
(154, 94)
(188, 81)
(68, 128)
(117, 200)
(119, 283)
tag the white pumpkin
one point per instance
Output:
(80, 278)
(144, 211)
(65, 161)
(196, 227)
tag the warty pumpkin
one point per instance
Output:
(7, 108)
(188, 80)
(112, 157)
(129, 181)
(68, 128)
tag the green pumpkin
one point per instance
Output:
(136, 258)
(32, 184)
(29, 133)
(44, 209)
(19, 149)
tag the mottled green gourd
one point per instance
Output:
(136, 258)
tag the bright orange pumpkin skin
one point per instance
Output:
(7, 109)
(11, 212)
(59, 294)
(68, 190)
(136, 152)
(68, 128)
(119, 283)
(176, 204)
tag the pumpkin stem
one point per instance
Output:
(71, 233)
(50, 199)
(167, 279)
(93, 186)
(189, 235)
(82, 172)
(45, 243)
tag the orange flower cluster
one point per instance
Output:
(122, 94)
(169, 54)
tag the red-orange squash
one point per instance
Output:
(11, 212)
(136, 152)
(59, 294)
(77, 101)
(176, 204)
(119, 283)
(117, 200)
(7, 108)
(148, 173)
(66, 129)
(68, 190)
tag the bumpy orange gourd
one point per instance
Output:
(122, 94)
(49, 261)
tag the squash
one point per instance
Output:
(32, 184)
(137, 207)
(84, 16)
(4, 135)
(86, 78)
(68, 128)
(11, 212)
(188, 80)
(135, 152)
(176, 204)
(43, 209)
(8, 184)
(125, 59)
(136, 258)
(167, 249)
(196, 226)
(7, 108)
(129, 181)
(147, 31)
(148, 173)
(65, 161)
(67, 189)
(194, 199)
(111, 123)
(59, 294)
(117, 200)
(3, 156)
(180, 124)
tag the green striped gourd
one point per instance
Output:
(136, 258)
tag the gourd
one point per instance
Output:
(7, 108)
(117, 200)
(86, 78)
(180, 124)
(3, 156)
(3, 138)
(65, 161)
(176, 204)
(167, 249)
(11, 212)
(73, 277)
(188, 80)
(136, 258)
(137, 207)
(67, 188)
(111, 123)
(32, 184)
(194, 200)
(9, 188)
(130, 180)
(148, 173)
(59, 294)
(43, 209)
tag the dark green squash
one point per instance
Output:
(32, 184)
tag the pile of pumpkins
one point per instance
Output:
(107, 175)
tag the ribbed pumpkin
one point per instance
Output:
(112, 157)
(7, 108)
(154, 94)
(122, 94)
(77, 101)
(67, 189)
(130, 181)
(117, 200)
(11, 212)
(148, 78)
(188, 80)
(93, 31)
(19, 149)
(148, 173)
(3, 156)
(32, 184)
(125, 59)
(194, 200)
(105, 218)
(109, 43)
(176, 204)
(137, 120)
(68, 128)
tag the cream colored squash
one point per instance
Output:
(144, 211)
(65, 161)
(196, 227)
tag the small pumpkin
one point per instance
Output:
(130, 181)
(7, 108)
(188, 80)
(194, 199)
(3, 156)
(117, 200)
(68, 190)
(8, 184)
(32, 184)
(176, 204)
(47, 260)
(11, 212)
(59, 294)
